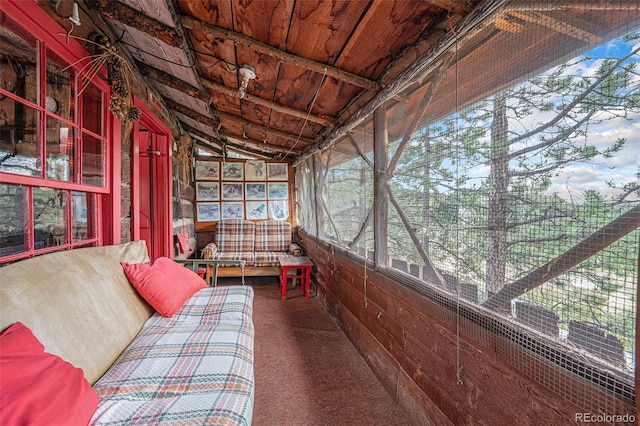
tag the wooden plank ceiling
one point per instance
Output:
(320, 65)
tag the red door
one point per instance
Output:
(145, 188)
(151, 187)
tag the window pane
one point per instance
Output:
(13, 228)
(49, 217)
(60, 87)
(19, 143)
(60, 143)
(18, 71)
(83, 216)
(92, 110)
(92, 161)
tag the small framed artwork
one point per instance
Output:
(232, 210)
(207, 191)
(255, 170)
(278, 191)
(232, 191)
(279, 210)
(207, 170)
(232, 171)
(208, 212)
(277, 171)
(256, 210)
(255, 191)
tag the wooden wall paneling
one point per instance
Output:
(410, 343)
(418, 406)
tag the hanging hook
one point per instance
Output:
(69, 32)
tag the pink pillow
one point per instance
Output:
(163, 283)
(39, 387)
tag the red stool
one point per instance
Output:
(302, 269)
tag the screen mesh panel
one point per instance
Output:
(512, 191)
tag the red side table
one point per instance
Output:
(302, 269)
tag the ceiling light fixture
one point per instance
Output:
(75, 16)
(247, 72)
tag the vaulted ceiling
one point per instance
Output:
(320, 66)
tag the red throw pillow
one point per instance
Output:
(39, 388)
(163, 283)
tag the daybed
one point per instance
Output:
(259, 244)
(193, 366)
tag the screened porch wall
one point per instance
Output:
(482, 226)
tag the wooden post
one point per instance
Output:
(380, 196)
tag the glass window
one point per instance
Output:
(93, 110)
(13, 227)
(92, 161)
(60, 143)
(60, 96)
(20, 147)
(83, 216)
(18, 66)
(49, 217)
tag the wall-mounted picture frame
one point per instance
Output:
(278, 191)
(232, 171)
(232, 210)
(277, 171)
(207, 212)
(232, 191)
(279, 210)
(255, 191)
(207, 170)
(257, 210)
(255, 170)
(207, 191)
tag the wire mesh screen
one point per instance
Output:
(512, 187)
(347, 191)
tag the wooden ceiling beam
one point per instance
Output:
(169, 80)
(460, 7)
(321, 119)
(214, 124)
(134, 18)
(245, 148)
(177, 84)
(257, 127)
(556, 25)
(333, 72)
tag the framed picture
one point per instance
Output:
(207, 170)
(255, 170)
(255, 191)
(207, 212)
(277, 171)
(232, 210)
(256, 210)
(207, 191)
(232, 191)
(279, 210)
(278, 191)
(232, 171)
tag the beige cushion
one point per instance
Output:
(78, 303)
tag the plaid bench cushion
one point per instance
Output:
(273, 235)
(268, 258)
(235, 235)
(195, 367)
(247, 256)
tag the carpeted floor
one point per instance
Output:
(307, 372)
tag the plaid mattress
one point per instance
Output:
(273, 235)
(235, 235)
(194, 368)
